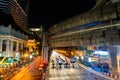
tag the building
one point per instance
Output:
(13, 35)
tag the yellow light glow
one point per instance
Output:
(35, 29)
(78, 53)
(72, 53)
(26, 55)
(118, 59)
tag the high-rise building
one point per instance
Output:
(15, 9)
(24, 4)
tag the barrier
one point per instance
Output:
(94, 72)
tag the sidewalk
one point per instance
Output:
(98, 71)
(95, 73)
(95, 66)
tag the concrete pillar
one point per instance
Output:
(17, 54)
(8, 48)
(113, 50)
(17, 46)
(118, 58)
(44, 48)
(46, 54)
(11, 49)
(1, 45)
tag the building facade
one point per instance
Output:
(13, 37)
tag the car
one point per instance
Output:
(73, 60)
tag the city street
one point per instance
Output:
(69, 74)
(59, 40)
(72, 74)
(29, 72)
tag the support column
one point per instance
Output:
(8, 48)
(45, 48)
(11, 49)
(46, 53)
(118, 58)
(17, 54)
(1, 45)
(113, 50)
(17, 47)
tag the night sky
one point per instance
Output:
(50, 12)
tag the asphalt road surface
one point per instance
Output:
(76, 73)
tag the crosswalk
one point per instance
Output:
(64, 72)
(71, 73)
(67, 74)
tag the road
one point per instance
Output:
(29, 72)
(77, 73)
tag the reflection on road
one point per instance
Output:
(69, 73)
(76, 73)
(29, 72)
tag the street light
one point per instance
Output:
(35, 29)
(38, 31)
(31, 56)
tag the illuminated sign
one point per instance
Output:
(101, 52)
(90, 47)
